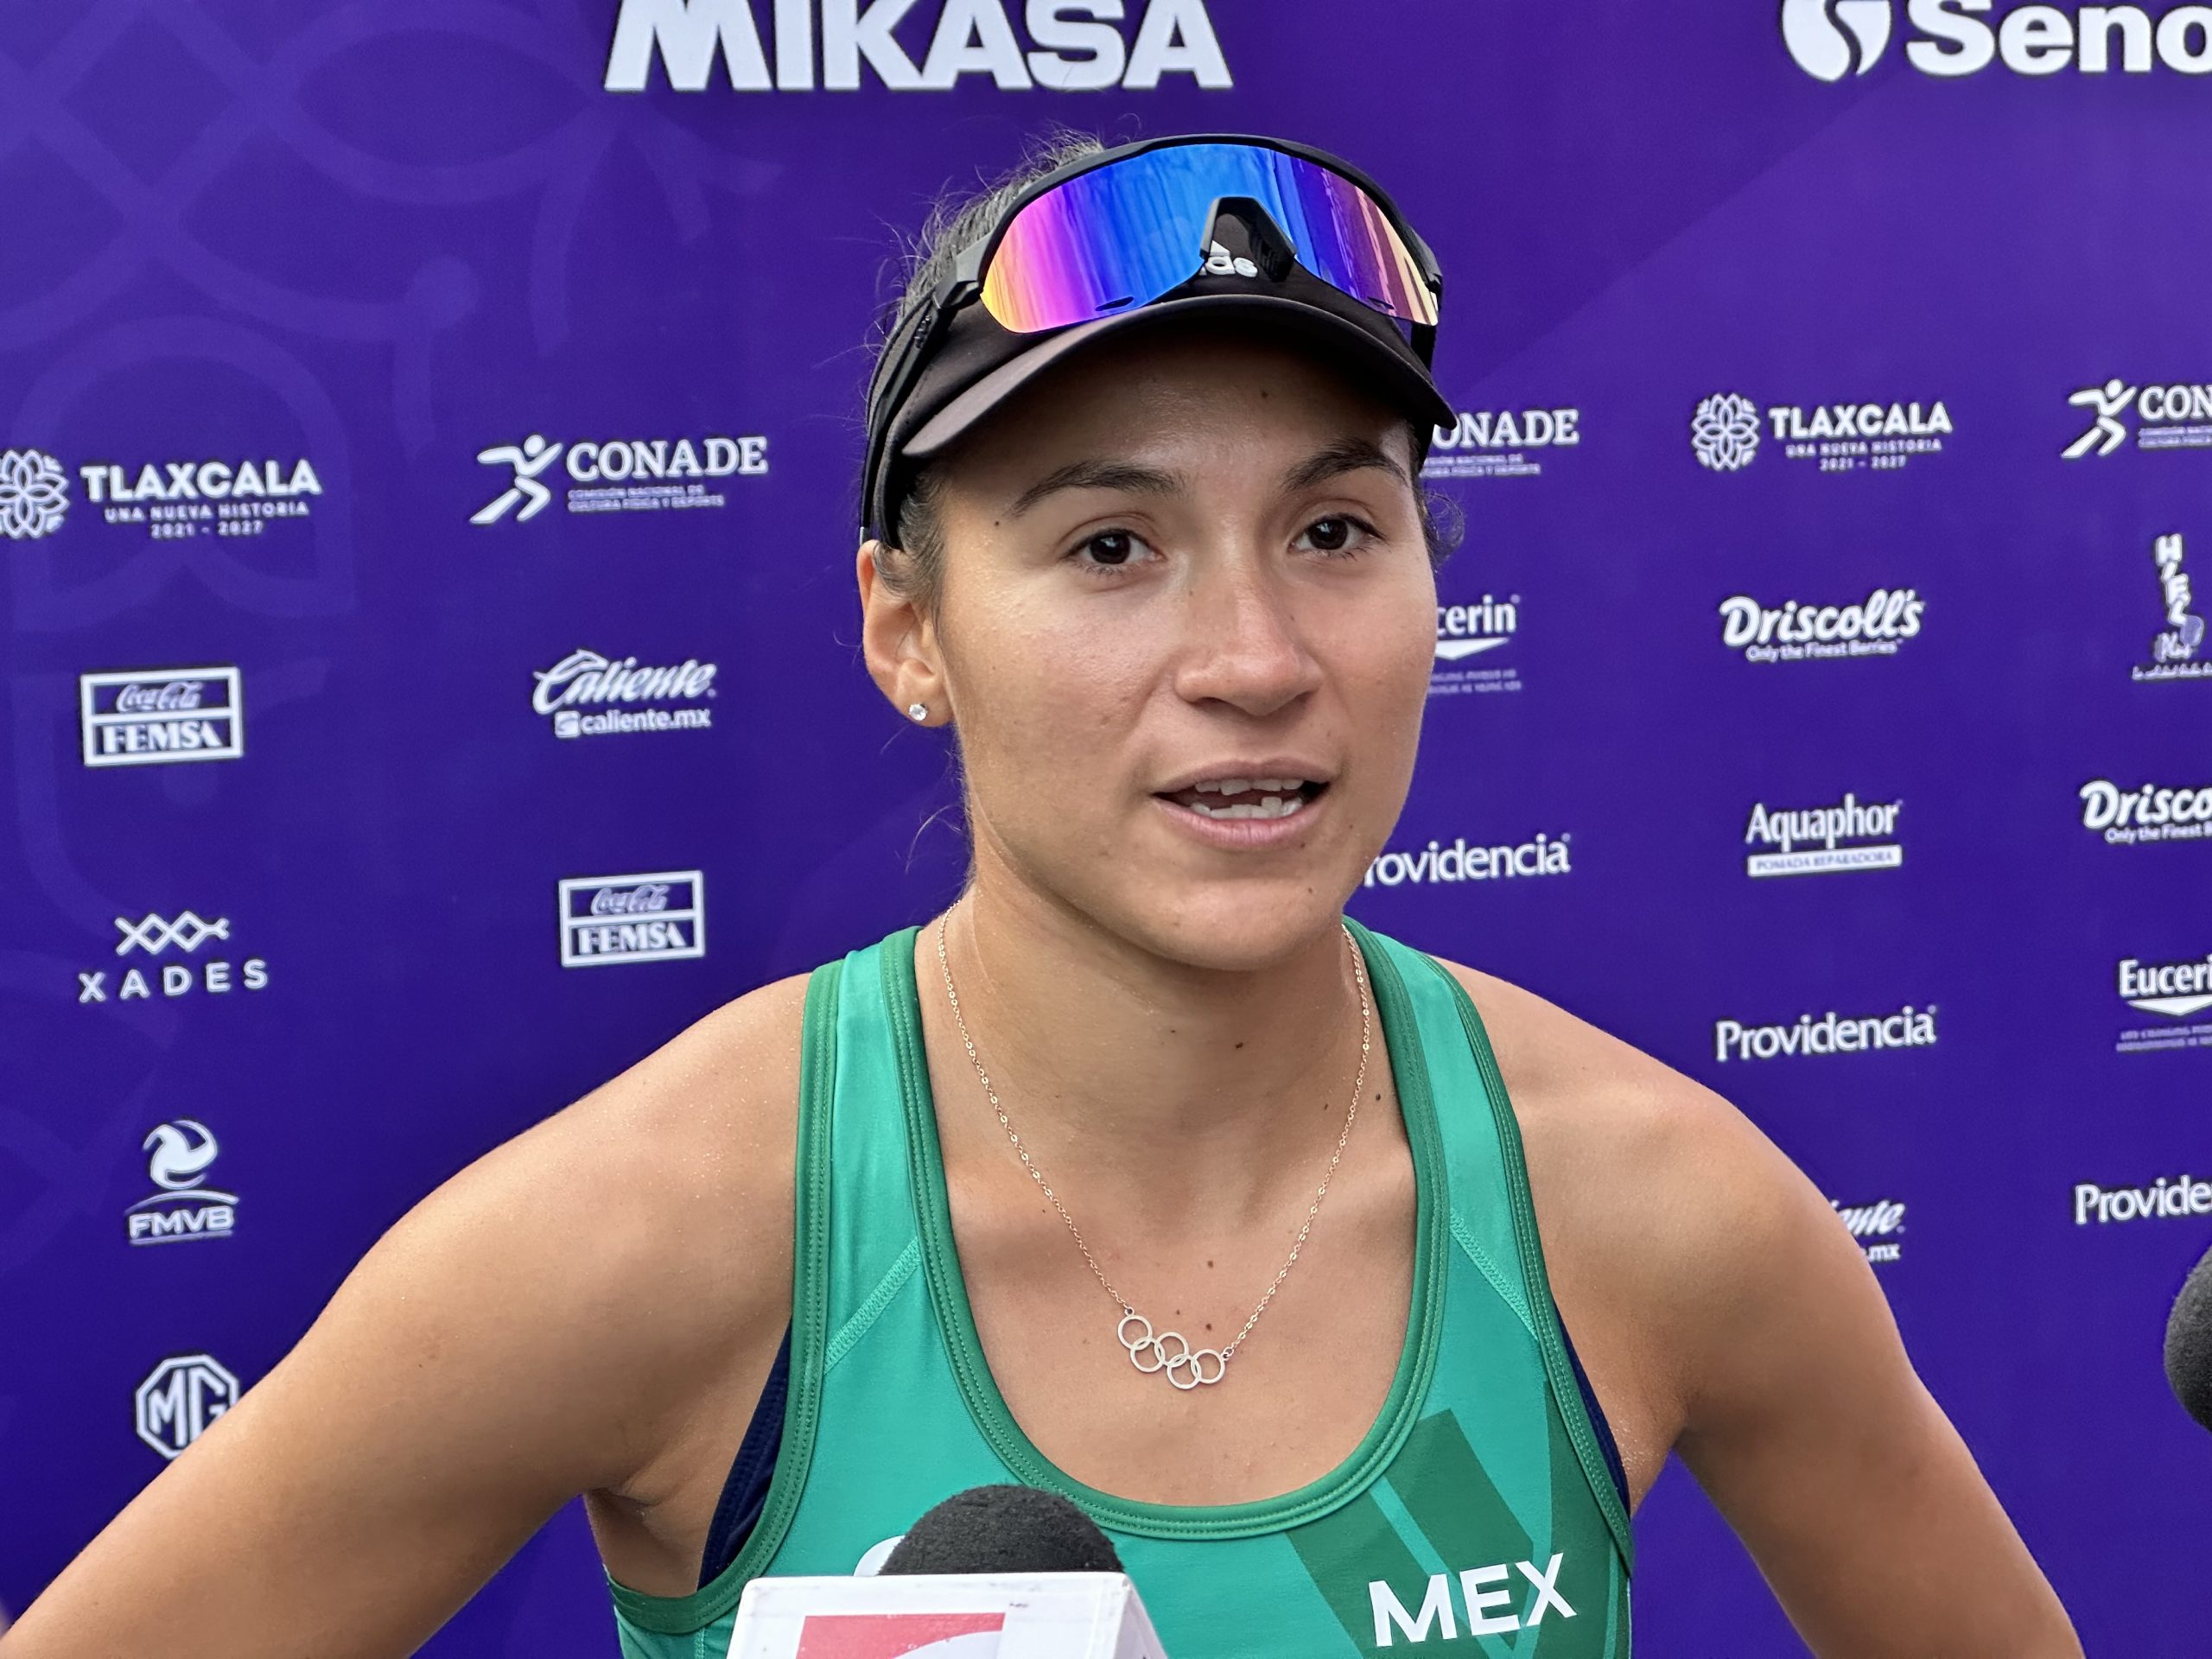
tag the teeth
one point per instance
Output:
(1273, 806)
(1239, 785)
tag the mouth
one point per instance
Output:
(1232, 797)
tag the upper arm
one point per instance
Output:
(502, 1349)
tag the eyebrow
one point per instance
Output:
(1345, 456)
(1098, 475)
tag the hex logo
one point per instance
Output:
(180, 1398)
(1832, 39)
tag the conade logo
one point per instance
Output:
(1832, 39)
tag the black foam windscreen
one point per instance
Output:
(1004, 1529)
(2188, 1344)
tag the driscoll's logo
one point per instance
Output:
(1831, 39)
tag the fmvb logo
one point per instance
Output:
(1875, 1226)
(569, 688)
(1075, 46)
(1798, 631)
(1804, 841)
(1832, 39)
(607, 919)
(1725, 433)
(180, 1398)
(155, 934)
(155, 716)
(2177, 417)
(619, 475)
(34, 494)
(183, 1207)
(1501, 443)
(2178, 650)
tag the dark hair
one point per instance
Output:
(912, 565)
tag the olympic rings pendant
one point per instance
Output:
(1186, 1366)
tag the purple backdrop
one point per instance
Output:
(1838, 428)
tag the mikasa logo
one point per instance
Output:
(1831, 39)
(1079, 46)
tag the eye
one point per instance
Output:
(1112, 550)
(1338, 533)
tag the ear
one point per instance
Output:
(900, 643)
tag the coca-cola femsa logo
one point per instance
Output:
(177, 693)
(632, 901)
(155, 716)
(660, 916)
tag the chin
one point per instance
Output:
(1233, 925)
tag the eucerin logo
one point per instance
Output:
(1828, 1034)
(1831, 39)
(2177, 992)
(182, 1207)
(1501, 443)
(2149, 812)
(1844, 437)
(179, 499)
(619, 475)
(2170, 1198)
(1074, 45)
(2178, 650)
(620, 919)
(1495, 1600)
(1875, 1226)
(573, 687)
(155, 716)
(187, 933)
(1795, 632)
(1455, 861)
(2177, 417)
(1804, 842)
(1464, 631)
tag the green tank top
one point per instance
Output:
(1479, 1511)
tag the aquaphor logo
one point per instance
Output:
(1795, 632)
(180, 1398)
(1501, 443)
(156, 716)
(2178, 650)
(619, 475)
(1804, 842)
(1876, 1226)
(1725, 433)
(179, 499)
(608, 919)
(2149, 812)
(1831, 39)
(2178, 416)
(1457, 862)
(2176, 991)
(568, 690)
(34, 494)
(1486, 1594)
(1075, 46)
(154, 935)
(2171, 1197)
(1829, 1034)
(182, 1206)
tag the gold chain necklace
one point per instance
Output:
(1184, 1366)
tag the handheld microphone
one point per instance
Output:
(2188, 1344)
(992, 1573)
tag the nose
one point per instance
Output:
(1242, 645)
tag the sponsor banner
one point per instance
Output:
(610, 920)
(1876, 1226)
(1501, 443)
(1832, 39)
(1795, 632)
(573, 693)
(619, 475)
(179, 501)
(180, 1398)
(1470, 641)
(1805, 839)
(2168, 1199)
(158, 716)
(2178, 650)
(2159, 417)
(2147, 813)
(1727, 432)
(1828, 1034)
(1457, 862)
(2177, 992)
(760, 46)
(154, 935)
(182, 1207)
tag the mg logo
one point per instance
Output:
(1831, 39)
(185, 1393)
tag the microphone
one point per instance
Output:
(2188, 1344)
(992, 1573)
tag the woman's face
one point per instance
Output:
(1184, 632)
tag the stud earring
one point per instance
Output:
(917, 711)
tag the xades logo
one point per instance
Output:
(1831, 39)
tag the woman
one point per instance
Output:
(1138, 1174)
